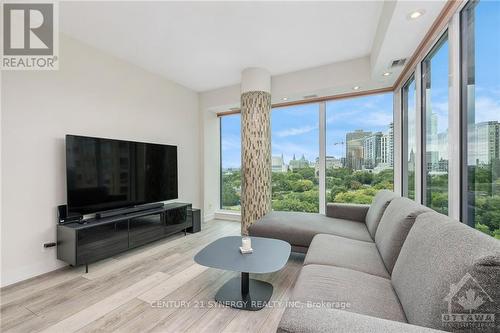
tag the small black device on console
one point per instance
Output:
(63, 217)
(196, 219)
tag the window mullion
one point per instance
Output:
(420, 137)
(322, 157)
(397, 142)
(454, 119)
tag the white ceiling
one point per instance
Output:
(398, 36)
(206, 45)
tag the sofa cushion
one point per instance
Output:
(348, 253)
(298, 229)
(347, 211)
(377, 208)
(394, 226)
(442, 263)
(361, 292)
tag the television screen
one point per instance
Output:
(104, 174)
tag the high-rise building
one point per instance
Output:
(485, 143)
(442, 146)
(372, 150)
(387, 147)
(354, 149)
(433, 125)
(432, 140)
(411, 161)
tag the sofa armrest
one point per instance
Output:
(316, 320)
(354, 212)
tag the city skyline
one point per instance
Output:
(436, 145)
(295, 129)
(375, 152)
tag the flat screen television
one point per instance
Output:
(104, 174)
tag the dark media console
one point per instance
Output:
(99, 238)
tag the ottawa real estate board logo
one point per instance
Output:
(469, 306)
(30, 38)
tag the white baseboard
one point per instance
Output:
(208, 217)
(228, 215)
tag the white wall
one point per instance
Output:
(92, 94)
(1, 185)
(327, 80)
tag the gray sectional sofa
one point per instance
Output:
(393, 266)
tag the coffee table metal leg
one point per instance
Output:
(245, 293)
(245, 282)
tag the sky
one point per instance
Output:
(295, 129)
(230, 133)
(438, 94)
(487, 53)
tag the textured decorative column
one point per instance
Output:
(255, 146)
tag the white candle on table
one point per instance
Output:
(246, 243)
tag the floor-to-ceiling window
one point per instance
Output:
(359, 148)
(435, 101)
(295, 158)
(480, 23)
(230, 162)
(409, 137)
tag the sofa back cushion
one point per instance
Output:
(376, 210)
(394, 226)
(446, 267)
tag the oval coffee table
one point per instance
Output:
(269, 255)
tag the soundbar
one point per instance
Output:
(123, 211)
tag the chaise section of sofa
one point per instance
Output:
(352, 221)
(299, 229)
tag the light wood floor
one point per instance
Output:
(117, 294)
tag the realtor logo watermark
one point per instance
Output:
(466, 301)
(30, 39)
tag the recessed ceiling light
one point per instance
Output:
(387, 74)
(416, 14)
(285, 98)
(355, 88)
